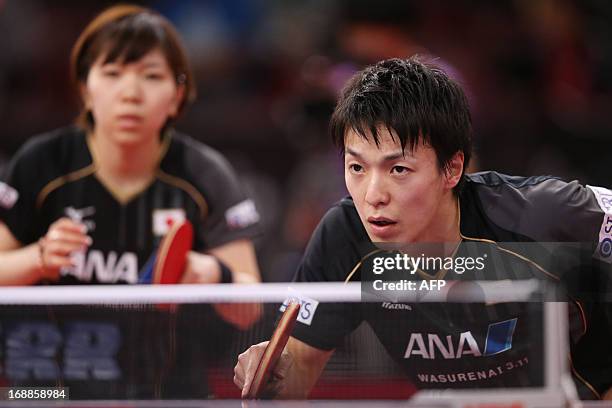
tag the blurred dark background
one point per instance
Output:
(538, 74)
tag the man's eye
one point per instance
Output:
(400, 170)
(355, 167)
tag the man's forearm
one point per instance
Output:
(304, 372)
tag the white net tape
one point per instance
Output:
(487, 291)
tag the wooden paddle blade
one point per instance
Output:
(273, 351)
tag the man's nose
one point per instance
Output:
(377, 192)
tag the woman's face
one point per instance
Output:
(131, 102)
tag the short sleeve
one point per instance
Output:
(546, 209)
(231, 214)
(18, 189)
(329, 256)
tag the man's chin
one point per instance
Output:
(386, 241)
(391, 242)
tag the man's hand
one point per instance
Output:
(64, 237)
(248, 362)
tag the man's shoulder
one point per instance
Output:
(336, 247)
(495, 180)
(541, 208)
(521, 193)
(341, 231)
(343, 218)
(517, 194)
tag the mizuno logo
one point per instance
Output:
(395, 306)
(79, 215)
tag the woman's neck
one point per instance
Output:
(129, 160)
(125, 169)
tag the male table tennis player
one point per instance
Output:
(89, 203)
(404, 129)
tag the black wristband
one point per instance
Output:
(226, 272)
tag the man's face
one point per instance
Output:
(399, 194)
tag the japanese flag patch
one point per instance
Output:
(164, 218)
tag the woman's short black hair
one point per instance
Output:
(125, 33)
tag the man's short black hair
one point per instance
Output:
(415, 99)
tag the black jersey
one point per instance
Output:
(54, 176)
(466, 345)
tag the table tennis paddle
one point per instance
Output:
(167, 263)
(273, 351)
(172, 253)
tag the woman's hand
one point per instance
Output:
(201, 268)
(64, 237)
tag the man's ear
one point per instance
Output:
(454, 170)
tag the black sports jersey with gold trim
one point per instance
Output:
(475, 345)
(54, 176)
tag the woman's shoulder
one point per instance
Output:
(55, 144)
(46, 157)
(191, 147)
(189, 156)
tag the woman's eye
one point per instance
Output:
(154, 76)
(111, 73)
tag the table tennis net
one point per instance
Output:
(171, 342)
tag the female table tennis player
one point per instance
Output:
(89, 203)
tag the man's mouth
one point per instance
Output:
(380, 221)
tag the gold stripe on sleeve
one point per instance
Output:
(188, 188)
(60, 181)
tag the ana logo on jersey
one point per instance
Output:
(498, 340)
(109, 268)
